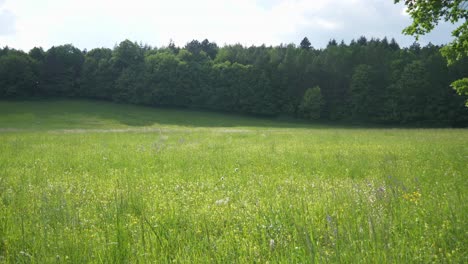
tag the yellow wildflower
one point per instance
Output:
(412, 197)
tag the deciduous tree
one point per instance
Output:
(426, 16)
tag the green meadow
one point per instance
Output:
(95, 182)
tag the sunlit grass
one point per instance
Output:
(163, 192)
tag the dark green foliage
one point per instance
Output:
(38, 54)
(332, 42)
(305, 44)
(210, 48)
(369, 80)
(461, 86)
(127, 54)
(311, 103)
(426, 16)
(161, 72)
(412, 86)
(361, 90)
(98, 76)
(18, 75)
(172, 47)
(362, 41)
(394, 45)
(61, 71)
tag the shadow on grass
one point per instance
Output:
(63, 113)
(60, 113)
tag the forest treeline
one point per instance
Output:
(373, 81)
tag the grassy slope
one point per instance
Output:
(63, 114)
(223, 188)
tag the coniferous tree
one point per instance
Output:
(305, 44)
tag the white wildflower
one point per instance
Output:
(272, 244)
(222, 201)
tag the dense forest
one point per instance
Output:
(371, 81)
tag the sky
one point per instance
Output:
(89, 24)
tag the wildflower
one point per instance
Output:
(222, 201)
(25, 254)
(381, 192)
(272, 244)
(412, 197)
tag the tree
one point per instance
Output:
(305, 44)
(61, 70)
(210, 48)
(172, 47)
(362, 41)
(311, 103)
(129, 87)
(98, 75)
(161, 75)
(17, 75)
(332, 43)
(37, 53)
(462, 87)
(362, 82)
(128, 54)
(193, 46)
(427, 14)
(394, 45)
(413, 99)
(370, 79)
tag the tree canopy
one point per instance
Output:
(426, 16)
(368, 80)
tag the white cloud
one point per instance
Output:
(96, 23)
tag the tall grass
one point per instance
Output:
(229, 194)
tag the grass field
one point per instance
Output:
(94, 182)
